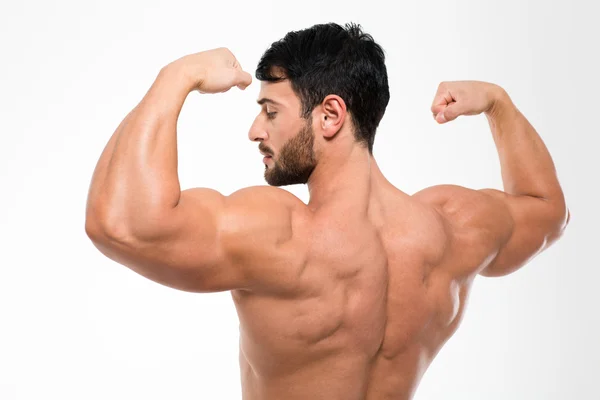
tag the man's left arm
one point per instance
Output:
(136, 212)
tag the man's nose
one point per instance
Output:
(256, 133)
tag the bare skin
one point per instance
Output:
(352, 295)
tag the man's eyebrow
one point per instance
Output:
(267, 100)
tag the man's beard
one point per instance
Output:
(296, 160)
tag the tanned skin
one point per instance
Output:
(352, 295)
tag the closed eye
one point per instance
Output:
(271, 115)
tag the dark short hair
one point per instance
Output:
(330, 59)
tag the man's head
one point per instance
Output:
(311, 81)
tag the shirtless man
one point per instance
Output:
(352, 295)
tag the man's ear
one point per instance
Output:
(332, 115)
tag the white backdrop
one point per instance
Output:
(76, 325)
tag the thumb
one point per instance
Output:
(243, 79)
(449, 113)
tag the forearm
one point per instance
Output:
(136, 176)
(527, 167)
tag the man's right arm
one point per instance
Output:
(518, 223)
(532, 194)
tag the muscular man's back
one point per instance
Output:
(378, 290)
(352, 296)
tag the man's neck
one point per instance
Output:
(341, 175)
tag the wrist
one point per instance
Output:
(178, 73)
(500, 103)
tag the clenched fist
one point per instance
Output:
(213, 71)
(463, 98)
